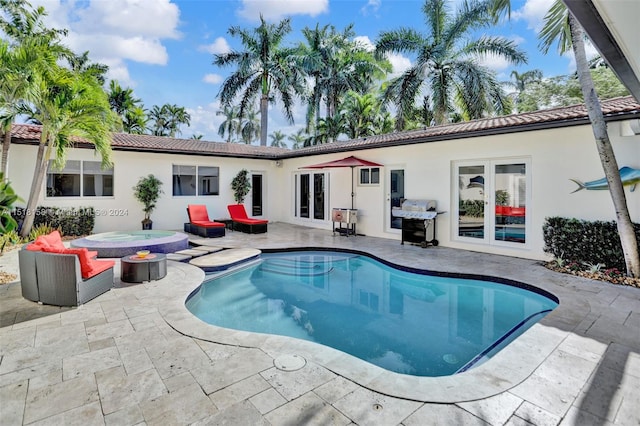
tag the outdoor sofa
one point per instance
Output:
(243, 223)
(200, 224)
(52, 274)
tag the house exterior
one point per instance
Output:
(494, 180)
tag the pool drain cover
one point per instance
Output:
(289, 362)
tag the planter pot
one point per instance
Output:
(147, 224)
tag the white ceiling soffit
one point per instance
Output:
(612, 26)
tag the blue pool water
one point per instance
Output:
(405, 322)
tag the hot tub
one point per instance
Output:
(124, 243)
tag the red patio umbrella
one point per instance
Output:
(350, 161)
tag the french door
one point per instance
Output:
(394, 197)
(311, 198)
(257, 194)
(491, 199)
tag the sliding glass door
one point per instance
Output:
(491, 200)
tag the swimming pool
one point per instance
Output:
(406, 322)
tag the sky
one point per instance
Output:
(163, 49)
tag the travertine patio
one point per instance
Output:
(135, 356)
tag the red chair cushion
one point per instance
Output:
(197, 212)
(33, 247)
(237, 212)
(208, 224)
(252, 221)
(54, 239)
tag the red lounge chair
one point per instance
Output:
(200, 224)
(243, 223)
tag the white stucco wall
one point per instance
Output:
(555, 156)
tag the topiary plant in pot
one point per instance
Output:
(147, 191)
(240, 186)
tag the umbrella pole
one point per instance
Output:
(352, 194)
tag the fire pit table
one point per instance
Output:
(136, 269)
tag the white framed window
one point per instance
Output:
(370, 176)
(195, 180)
(79, 179)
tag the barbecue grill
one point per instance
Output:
(418, 221)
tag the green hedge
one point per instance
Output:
(71, 221)
(583, 241)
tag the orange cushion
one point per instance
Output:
(197, 212)
(54, 239)
(33, 247)
(50, 249)
(100, 266)
(86, 262)
(207, 224)
(252, 221)
(237, 211)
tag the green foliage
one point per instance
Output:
(502, 197)
(585, 242)
(147, 191)
(71, 221)
(10, 238)
(472, 208)
(42, 229)
(8, 197)
(240, 186)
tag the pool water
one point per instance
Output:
(410, 323)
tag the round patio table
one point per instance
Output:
(136, 269)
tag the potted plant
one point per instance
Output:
(147, 191)
(240, 186)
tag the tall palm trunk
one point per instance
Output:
(36, 183)
(264, 111)
(6, 144)
(605, 150)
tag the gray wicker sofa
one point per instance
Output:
(56, 279)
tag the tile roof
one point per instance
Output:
(614, 109)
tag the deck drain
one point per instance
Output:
(377, 407)
(289, 362)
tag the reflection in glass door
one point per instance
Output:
(256, 194)
(395, 196)
(318, 196)
(491, 199)
(471, 201)
(304, 195)
(511, 201)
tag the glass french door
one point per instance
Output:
(395, 196)
(491, 199)
(311, 196)
(256, 194)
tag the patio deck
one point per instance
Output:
(134, 355)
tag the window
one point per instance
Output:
(192, 180)
(79, 177)
(370, 176)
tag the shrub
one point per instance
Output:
(581, 241)
(71, 221)
(472, 208)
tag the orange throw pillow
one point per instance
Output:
(86, 263)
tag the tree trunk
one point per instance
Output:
(6, 143)
(36, 184)
(605, 150)
(264, 111)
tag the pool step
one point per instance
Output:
(295, 269)
(187, 254)
(224, 259)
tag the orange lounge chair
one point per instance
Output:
(200, 224)
(243, 223)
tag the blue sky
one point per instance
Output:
(163, 49)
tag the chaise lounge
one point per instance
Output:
(200, 224)
(243, 223)
(52, 274)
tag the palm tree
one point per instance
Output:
(80, 63)
(277, 139)
(521, 81)
(123, 103)
(31, 49)
(158, 121)
(250, 126)
(264, 70)
(361, 113)
(329, 129)
(68, 105)
(447, 62)
(176, 116)
(135, 121)
(297, 139)
(231, 124)
(562, 27)
(197, 137)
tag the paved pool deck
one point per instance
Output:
(134, 355)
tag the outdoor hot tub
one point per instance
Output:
(124, 243)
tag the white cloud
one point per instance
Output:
(366, 42)
(218, 46)
(205, 121)
(494, 62)
(115, 31)
(212, 78)
(399, 63)
(273, 10)
(533, 12)
(371, 7)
